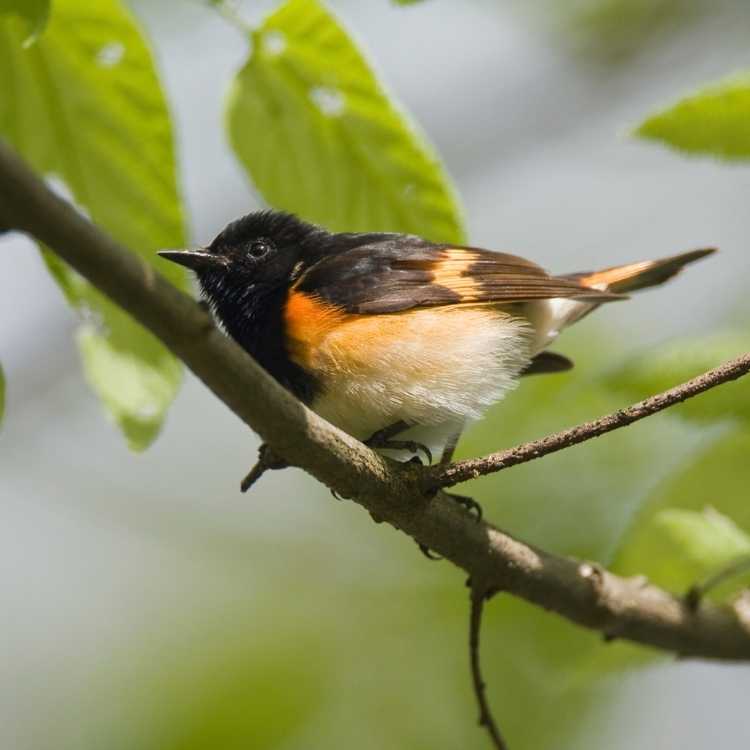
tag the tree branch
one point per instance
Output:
(486, 720)
(472, 468)
(581, 592)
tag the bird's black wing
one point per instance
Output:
(400, 272)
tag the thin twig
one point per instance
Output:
(583, 593)
(477, 596)
(699, 590)
(267, 461)
(462, 471)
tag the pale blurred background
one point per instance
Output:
(145, 603)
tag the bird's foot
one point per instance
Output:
(384, 440)
(471, 506)
(428, 553)
(468, 503)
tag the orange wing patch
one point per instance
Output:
(480, 276)
(452, 272)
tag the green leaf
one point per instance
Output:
(204, 687)
(84, 105)
(137, 390)
(717, 477)
(34, 13)
(671, 365)
(615, 30)
(712, 121)
(684, 546)
(225, 704)
(320, 137)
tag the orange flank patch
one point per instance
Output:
(332, 343)
(425, 366)
(328, 341)
(308, 320)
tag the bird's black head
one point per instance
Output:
(258, 253)
(245, 275)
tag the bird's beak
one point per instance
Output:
(196, 259)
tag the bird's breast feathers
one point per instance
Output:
(425, 366)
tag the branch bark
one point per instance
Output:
(582, 592)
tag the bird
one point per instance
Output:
(397, 340)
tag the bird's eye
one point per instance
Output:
(259, 248)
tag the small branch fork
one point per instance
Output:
(403, 496)
(267, 461)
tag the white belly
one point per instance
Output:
(437, 367)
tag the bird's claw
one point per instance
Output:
(416, 448)
(472, 506)
(403, 445)
(428, 553)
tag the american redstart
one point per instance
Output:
(384, 333)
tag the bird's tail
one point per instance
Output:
(619, 280)
(636, 276)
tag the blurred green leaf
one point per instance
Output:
(678, 548)
(249, 699)
(674, 541)
(612, 17)
(321, 138)
(711, 121)
(615, 29)
(136, 390)
(677, 362)
(613, 32)
(84, 105)
(34, 13)
(223, 685)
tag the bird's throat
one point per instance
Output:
(254, 318)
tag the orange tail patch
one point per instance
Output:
(647, 273)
